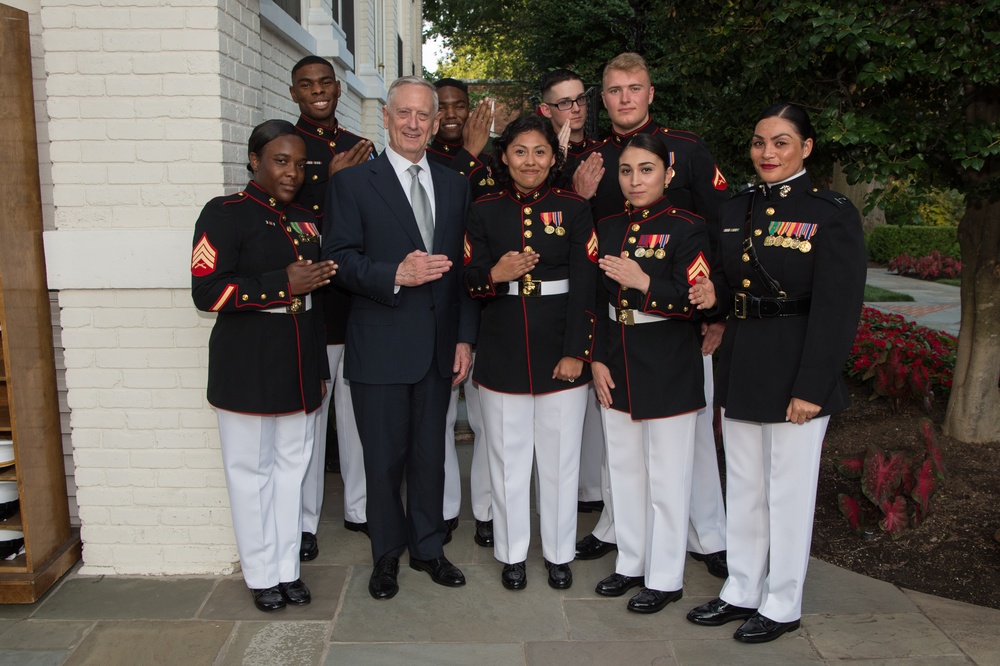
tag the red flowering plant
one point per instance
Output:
(898, 490)
(934, 266)
(901, 360)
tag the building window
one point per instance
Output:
(291, 7)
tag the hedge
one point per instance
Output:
(887, 242)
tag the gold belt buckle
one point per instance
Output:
(740, 305)
(296, 305)
(626, 317)
(530, 287)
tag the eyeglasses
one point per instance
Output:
(567, 104)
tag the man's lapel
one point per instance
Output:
(386, 185)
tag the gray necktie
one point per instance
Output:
(421, 208)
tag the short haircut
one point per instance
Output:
(627, 62)
(452, 83)
(557, 76)
(407, 81)
(515, 128)
(265, 133)
(793, 113)
(312, 60)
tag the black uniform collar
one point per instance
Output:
(789, 188)
(448, 148)
(637, 215)
(257, 193)
(528, 197)
(621, 140)
(319, 131)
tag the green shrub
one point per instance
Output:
(906, 204)
(942, 208)
(887, 242)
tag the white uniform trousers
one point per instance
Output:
(707, 527)
(479, 474)
(551, 425)
(592, 450)
(265, 459)
(771, 474)
(352, 464)
(650, 463)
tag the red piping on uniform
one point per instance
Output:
(298, 354)
(527, 345)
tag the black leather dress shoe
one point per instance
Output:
(759, 629)
(267, 599)
(441, 570)
(717, 612)
(295, 592)
(452, 525)
(588, 506)
(652, 601)
(513, 576)
(382, 584)
(560, 576)
(309, 548)
(616, 585)
(591, 548)
(484, 533)
(357, 527)
(716, 563)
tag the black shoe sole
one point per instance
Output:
(718, 622)
(383, 598)
(430, 572)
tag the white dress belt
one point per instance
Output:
(307, 304)
(632, 317)
(537, 287)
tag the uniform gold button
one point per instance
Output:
(472, 164)
(319, 131)
(315, 206)
(685, 308)
(624, 303)
(333, 144)
(288, 229)
(245, 297)
(528, 248)
(281, 294)
(625, 253)
(296, 241)
(673, 211)
(586, 352)
(746, 257)
(535, 195)
(527, 222)
(527, 210)
(635, 227)
(756, 232)
(670, 306)
(746, 283)
(315, 177)
(653, 304)
(591, 320)
(590, 337)
(263, 296)
(769, 211)
(300, 257)
(645, 214)
(631, 240)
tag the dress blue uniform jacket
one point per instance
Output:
(656, 367)
(764, 363)
(258, 363)
(522, 339)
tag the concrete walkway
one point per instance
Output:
(847, 618)
(191, 621)
(936, 306)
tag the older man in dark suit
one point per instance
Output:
(397, 233)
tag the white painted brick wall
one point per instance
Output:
(144, 109)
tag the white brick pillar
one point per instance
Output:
(149, 107)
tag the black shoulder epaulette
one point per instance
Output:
(835, 198)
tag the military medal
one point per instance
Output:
(553, 222)
(560, 231)
(640, 252)
(786, 242)
(550, 229)
(805, 246)
(769, 241)
(808, 231)
(660, 253)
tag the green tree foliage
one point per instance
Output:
(903, 89)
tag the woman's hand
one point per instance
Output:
(801, 411)
(513, 265)
(702, 293)
(568, 369)
(625, 272)
(305, 276)
(602, 383)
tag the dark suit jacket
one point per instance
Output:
(392, 337)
